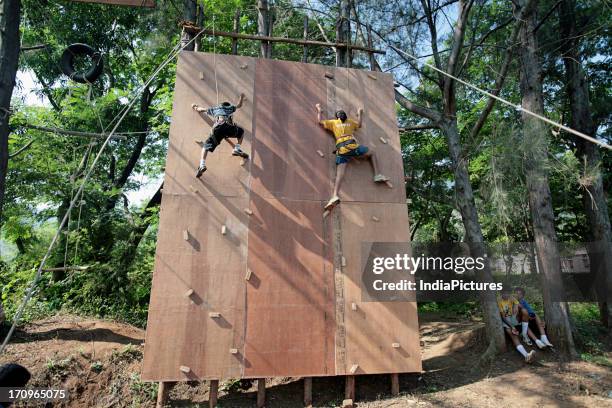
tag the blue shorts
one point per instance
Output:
(345, 158)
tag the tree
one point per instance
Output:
(536, 142)
(9, 56)
(593, 196)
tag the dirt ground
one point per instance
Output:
(99, 363)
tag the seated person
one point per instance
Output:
(526, 314)
(508, 310)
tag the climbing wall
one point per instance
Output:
(250, 279)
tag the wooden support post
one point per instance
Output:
(308, 392)
(370, 54)
(236, 29)
(261, 392)
(305, 49)
(395, 389)
(349, 388)
(163, 390)
(213, 393)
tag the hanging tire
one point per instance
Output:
(67, 63)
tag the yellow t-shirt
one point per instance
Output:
(342, 132)
(508, 307)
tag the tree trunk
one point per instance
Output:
(540, 200)
(9, 56)
(343, 34)
(190, 13)
(474, 237)
(263, 27)
(593, 196)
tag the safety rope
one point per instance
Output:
(135, 97)
(518, 107)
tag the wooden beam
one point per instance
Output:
(349, 388)
(66, 269)
(308, 392)
(395, 388)
(73, 132)
(213, 393)
(130, 3)
(163, 390)
(236, 29)
(261, 392)
(282, 39)
(305, 37)
(34, 47)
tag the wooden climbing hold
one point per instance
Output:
(354, 368)
(193, 189)
(375, 218)
(388, 183)
(185, 369)
(347, 403)
(372, 77)
(189, 293)
(201, 75)
(395, 345)
(353, 306)
(343, 261)
(382, 139)
(233, 351)
(186, 235)
(214, 315)
(329, 75)
(248, 211)
(244, 66)
(320, 153)
(223, 229)
(248, 274)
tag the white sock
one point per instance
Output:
(202, 162)
(522, 350)
(540, 344)
(524, 327)
(544, 338)
(237, 146)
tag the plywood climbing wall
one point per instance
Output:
(250, 279)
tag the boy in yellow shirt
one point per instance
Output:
(508, 310)
(347, 148)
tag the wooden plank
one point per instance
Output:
(163, 390)
(290, 314)
(210, 267)
(288, 135)
(131, 3)
(375, 326)
(226, 175)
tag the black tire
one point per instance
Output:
(67, 63)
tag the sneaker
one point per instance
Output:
(379, 178)
(201, 170)
(239, 152)
(332, 202)
(527, 340)
(530, 356)
(540, 344)
(547, 343)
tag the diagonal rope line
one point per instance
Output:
(518, 107)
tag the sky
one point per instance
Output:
(27, 92)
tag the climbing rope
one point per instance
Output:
(123, 114)
(518, 107)
(215, 58)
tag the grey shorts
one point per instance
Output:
(512, 320)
